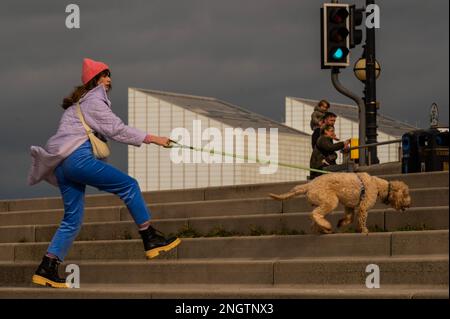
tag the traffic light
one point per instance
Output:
(356, 19)
(335, 27)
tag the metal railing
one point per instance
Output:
(369, 162)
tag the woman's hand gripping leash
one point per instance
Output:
(158, 140)
(172, 144)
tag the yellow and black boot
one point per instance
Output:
(154, 242)
(47, 274)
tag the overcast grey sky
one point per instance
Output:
(252, 53)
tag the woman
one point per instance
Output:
(324, 153)
(67, 161)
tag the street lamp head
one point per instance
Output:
(360, 69)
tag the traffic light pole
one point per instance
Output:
(361, 108)
(370, 91)
(344, 91)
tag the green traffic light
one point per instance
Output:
(338, 54)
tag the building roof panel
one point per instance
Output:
(221, 111)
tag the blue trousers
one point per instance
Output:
(81, 168)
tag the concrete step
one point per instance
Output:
(423, 197)
(431, 218)
(198, 291)
(411, 270)
(420, 180)
(54, 216)
(101, 200)
(257, 247)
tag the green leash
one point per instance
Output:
(175, 144)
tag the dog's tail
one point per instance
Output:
(297, 190)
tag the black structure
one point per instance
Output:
(370, 91)
(425, 151)
(335, 31)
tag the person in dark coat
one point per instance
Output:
(328, 119)
(324, 153)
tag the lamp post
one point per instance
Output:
(360, 70)
(370, 90)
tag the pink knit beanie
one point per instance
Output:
(91, 68)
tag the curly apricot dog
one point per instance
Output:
(358, 192)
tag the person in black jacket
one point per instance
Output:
(328, 119)
(324, 153)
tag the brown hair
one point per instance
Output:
(326, 128)
(328, 114)
(324, 103)
(81, 90)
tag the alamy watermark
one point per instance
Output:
(373, 16)
(73, 279)
(73, 19)
(373, 279)
(227, 149)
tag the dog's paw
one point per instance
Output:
(320, 230)
(343, 222)
(314, 228)
(364, 230)
(326, 231)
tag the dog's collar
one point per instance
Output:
(386, 199)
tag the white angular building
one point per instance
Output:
(298, 116)
(160, 113)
